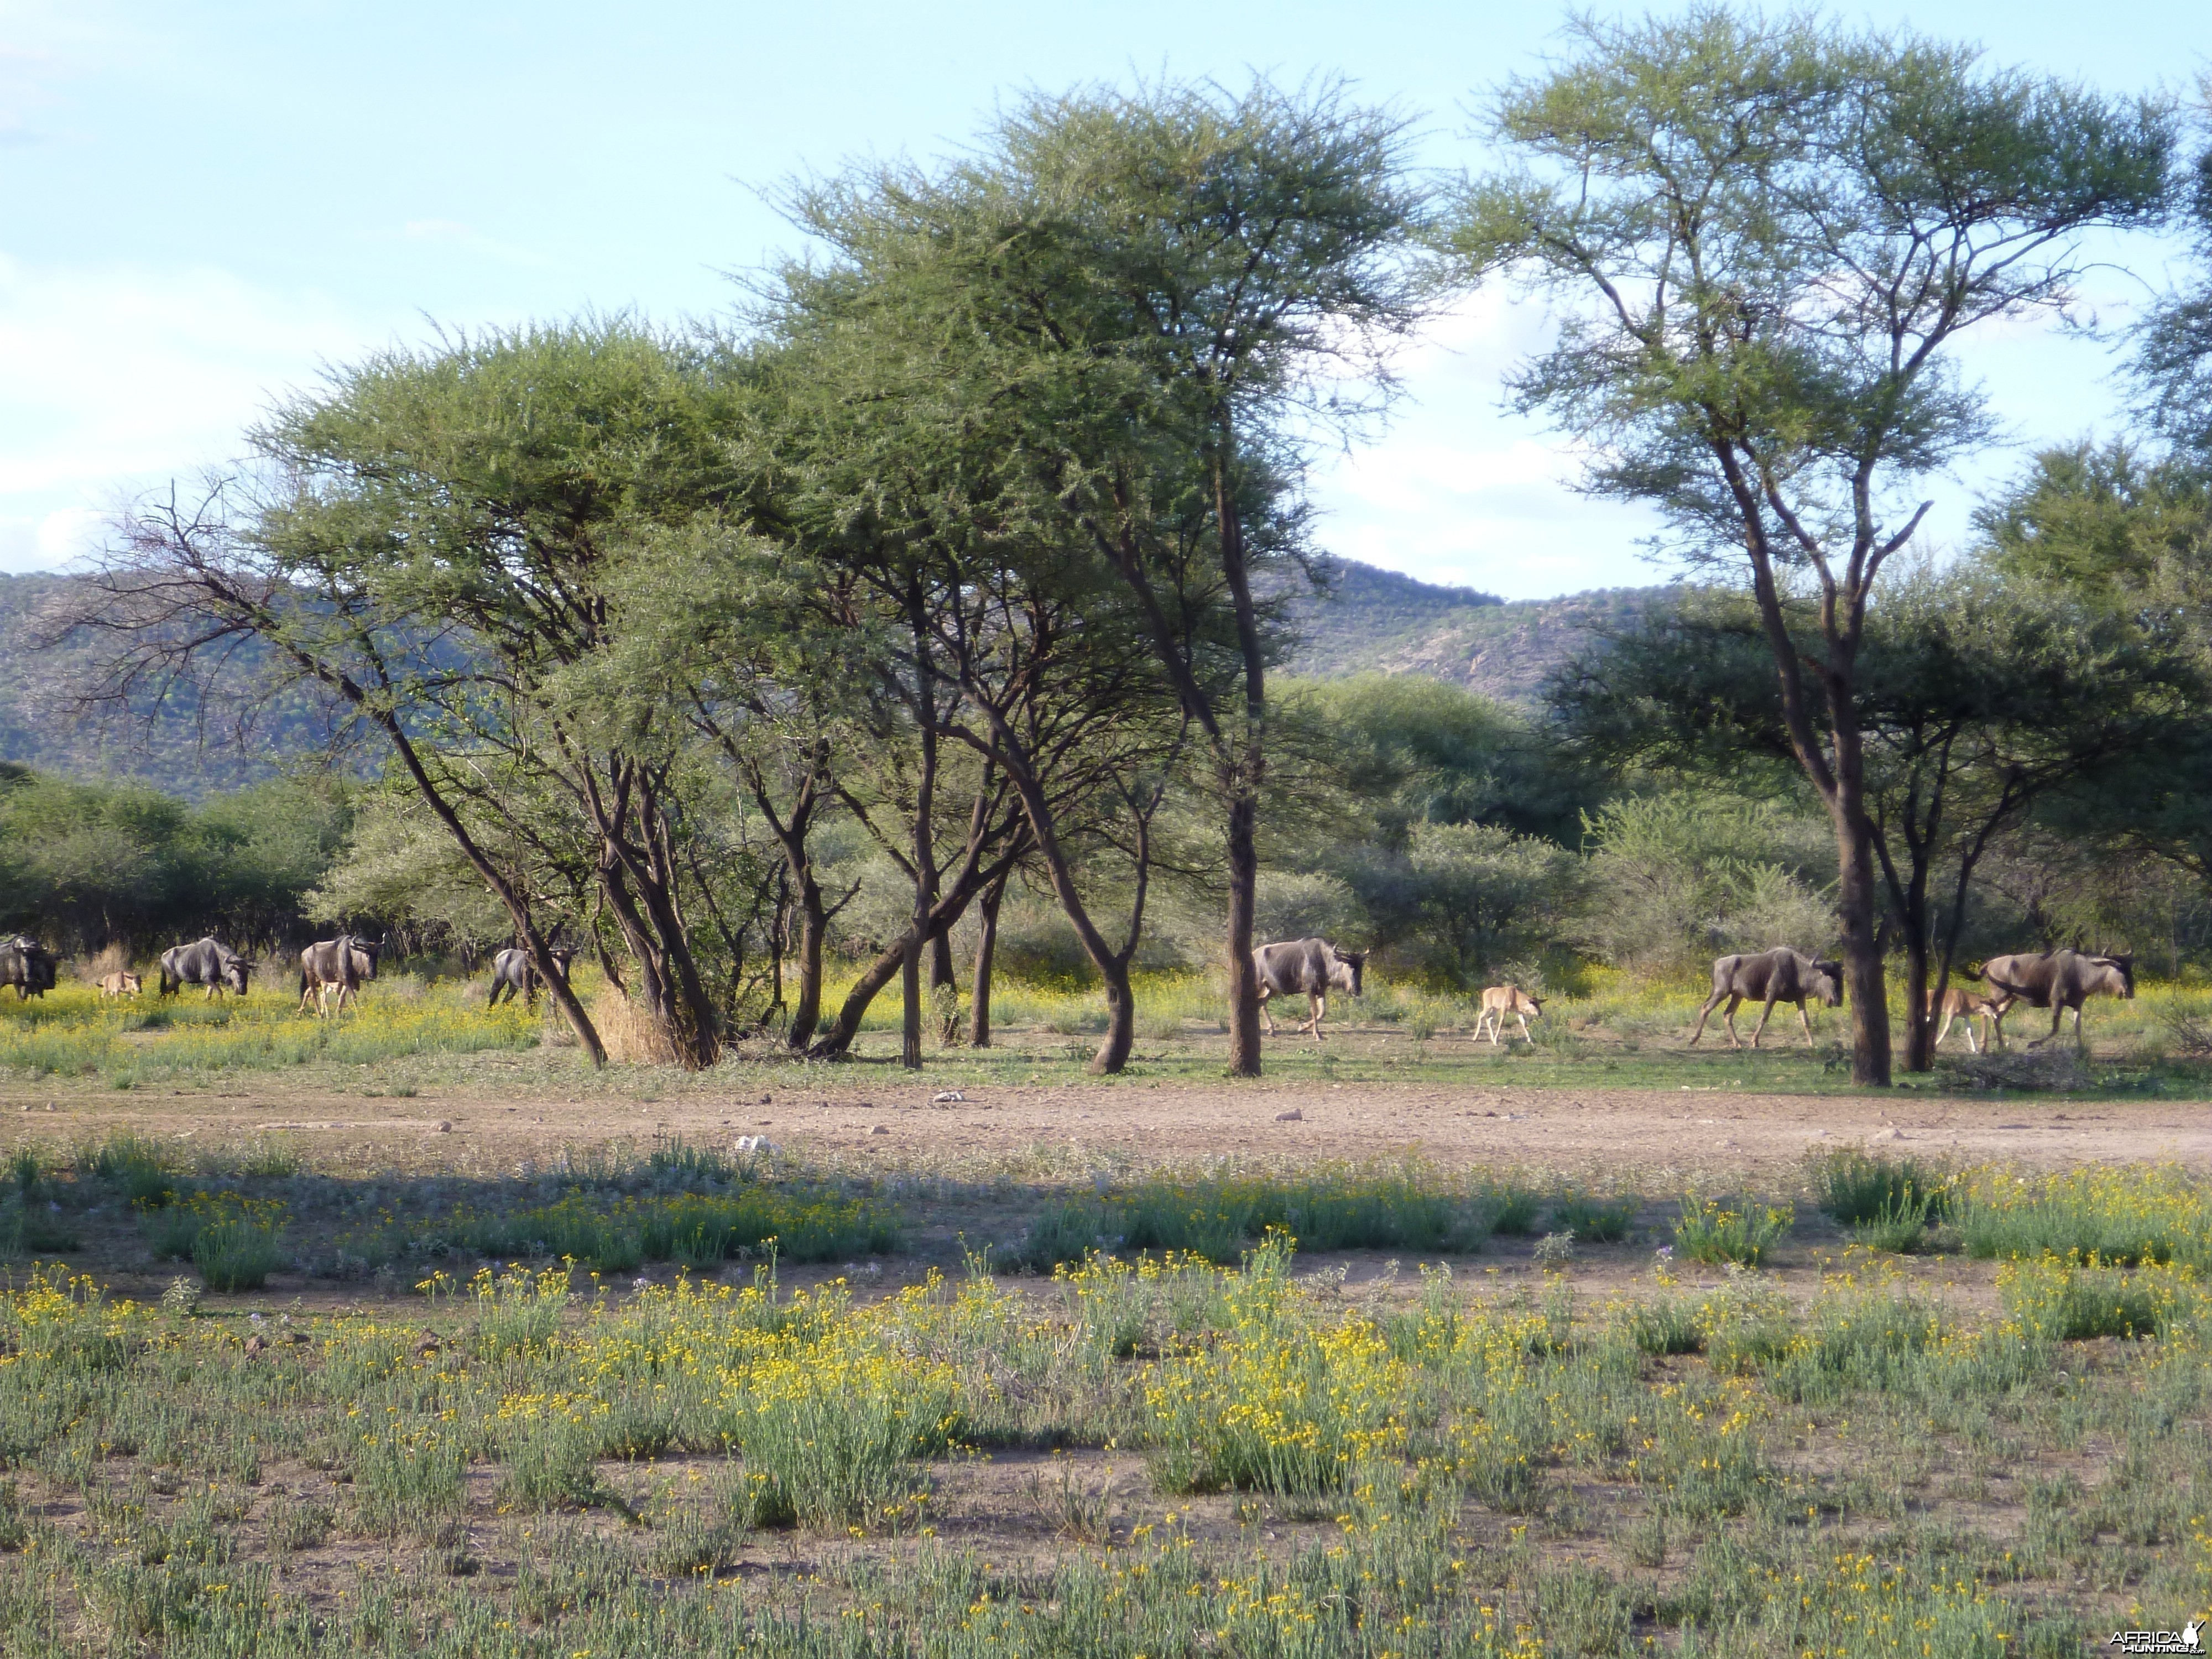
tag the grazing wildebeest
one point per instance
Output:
(29, 966)
(2057, 980)
(1313, 966)
(337, 965)
(1777, 976)
(123, 984)
(513, 972)
(205, 963)
(1499, 1001)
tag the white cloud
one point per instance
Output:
(119, 377)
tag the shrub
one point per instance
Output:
(238, 1253)
(2121, 1215)
(1853, 1187)
(2065, 1302)
(1285, 1403)
(1663, 1328)
(831, 1434)
(1713, 1233)
(407, 1481)
(1599, 1220)
(139, 1169)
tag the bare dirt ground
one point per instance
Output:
(874, 1113)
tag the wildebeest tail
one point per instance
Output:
(1969, 970)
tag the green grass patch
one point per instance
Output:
(694, 1230)
(1334, 1209)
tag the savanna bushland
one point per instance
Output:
(885, 719)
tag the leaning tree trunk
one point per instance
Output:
(986, 947)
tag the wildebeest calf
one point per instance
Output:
(2057, 980)
(1312, 966)
(123, 984)
(1499, 1001)
(1781, 974)
(1966, 1007)
(512, 972)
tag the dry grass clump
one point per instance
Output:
(108, 960)
(632, 1037)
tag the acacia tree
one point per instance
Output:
(1979, 701)
(1201, 280)
(2173, 359)
(1764, 239)
(438, 550)
(726, 627)
(182, 592)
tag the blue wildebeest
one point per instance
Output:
(1770, 977)
(337, 965)
(205, 963)
(29, 966)
(512, 972)
(2057, 980)
(1312, 966)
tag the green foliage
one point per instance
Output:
(1677, 878)
(84, 864)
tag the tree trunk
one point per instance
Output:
(1112, 1055)
(813, 928)
(1243, 979)
(1868, 991)
(986, 945)
(910, 985)
(1243, 770)
(835, 1042)
(1919, 1023)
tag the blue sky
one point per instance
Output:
(202, 203)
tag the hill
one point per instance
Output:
(41, 727)
(1368, 621)
(1374, 621)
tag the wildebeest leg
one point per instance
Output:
(2077, 1025)
(1265, 1013)
(1525, 1037)
(1765, 1014)
(1712, 1003)
(1805, 1020)
(1320, 1007)
(1944, 1030)
(1727, 1017)
(2057, 1014)
(1481, 1026)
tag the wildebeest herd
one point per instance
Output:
(2057, 980)
(334, 970)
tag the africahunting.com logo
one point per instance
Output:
(2190, 1639)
